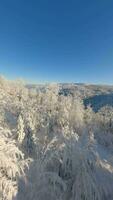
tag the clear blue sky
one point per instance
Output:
(57, 40)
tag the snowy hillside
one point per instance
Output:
(96, 96)
(52, 146)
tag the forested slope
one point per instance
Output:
(52, 147)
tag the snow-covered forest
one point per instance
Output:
(52, 147)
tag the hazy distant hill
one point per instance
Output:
(95, 95)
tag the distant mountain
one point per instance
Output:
(95, 95)
(98, 101)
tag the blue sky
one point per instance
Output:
(57, 40)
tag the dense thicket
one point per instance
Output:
(51, 147)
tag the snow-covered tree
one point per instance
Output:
(12, 165)
(20, 130)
